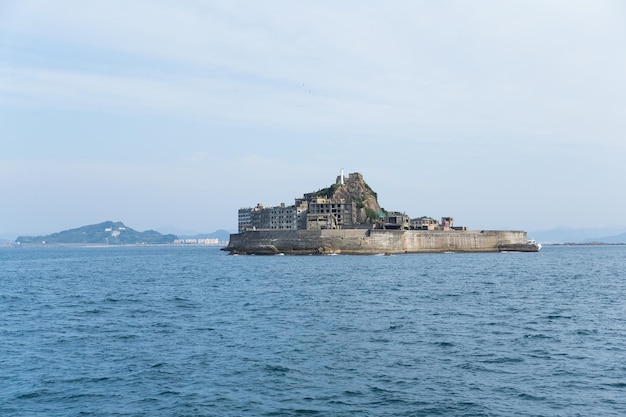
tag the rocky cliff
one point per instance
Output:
(355, 189)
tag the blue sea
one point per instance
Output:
(192, 331)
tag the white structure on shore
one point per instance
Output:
(206, 242)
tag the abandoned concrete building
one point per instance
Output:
(313, 211)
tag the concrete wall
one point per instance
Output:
(370, 241)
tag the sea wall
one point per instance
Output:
(370, 241)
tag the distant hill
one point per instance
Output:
(621, 238)
(582, 235)
(106, 233)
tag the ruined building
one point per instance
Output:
(348, 204)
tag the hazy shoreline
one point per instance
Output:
(102, 245)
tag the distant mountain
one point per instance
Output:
(106, 233)
(621, 238)
(581, 235)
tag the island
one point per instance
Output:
(346, 218)
(105, 233)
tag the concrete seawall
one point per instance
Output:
(370, 241)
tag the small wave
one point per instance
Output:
(277, 369)
(530, 397)
(92, 311)
(537, 336)
(127, 336)
(114, 300)
(379, 340)
(33, 394)
(294, 411)
(557, 316)
(169, 392)
(503, 360)
(473, 367)
(159, 365)
(307, 411)
(82, 396)
(444, 344)
(377, 389)
(616, 385)
(586, 332)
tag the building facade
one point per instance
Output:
(314, 211)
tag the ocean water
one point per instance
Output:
(191, 331)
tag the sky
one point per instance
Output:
(173, 115)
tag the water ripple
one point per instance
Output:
(158, 331)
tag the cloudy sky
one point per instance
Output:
(171, 115)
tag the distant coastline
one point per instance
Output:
(584, 244)
(104, 245)
(561, 236)
(111, 233)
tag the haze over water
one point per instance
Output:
(171, 331)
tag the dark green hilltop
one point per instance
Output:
(106, 233)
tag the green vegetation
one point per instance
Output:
(360, 203)
(106, 233)
(358, 192)
(327, 192)
(371, 215)
(370, 190)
